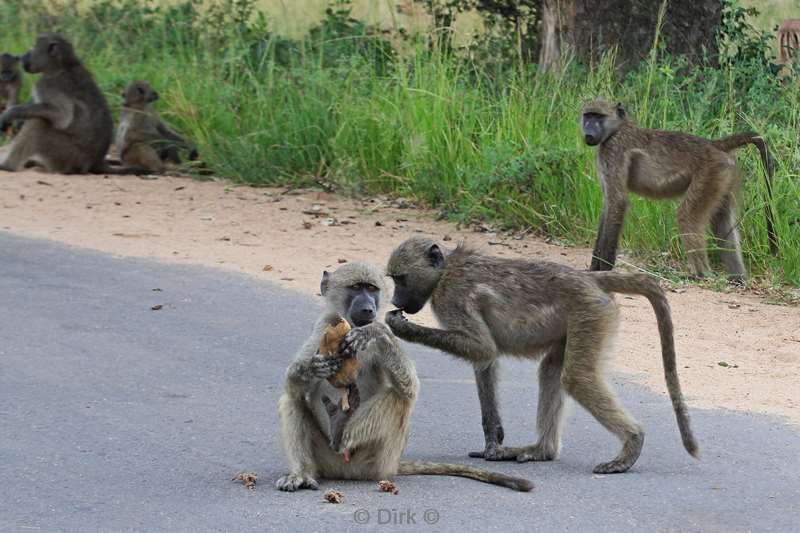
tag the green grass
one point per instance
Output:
(474, 143)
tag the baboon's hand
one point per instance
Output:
(355, 341)
(324, 367)
(398, 322)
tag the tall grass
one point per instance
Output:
(500, 145)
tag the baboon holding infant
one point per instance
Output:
(665, 164)
(491, 306)
(142, 138)
(376, 433)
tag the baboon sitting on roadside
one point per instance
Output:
(376, 433)
(489, 306)
(68, 126)
(142, 138)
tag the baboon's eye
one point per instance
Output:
(399, 279)
(371, 288)
(141, 91)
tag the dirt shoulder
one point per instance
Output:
(289, 239)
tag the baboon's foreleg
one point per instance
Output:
(486, 379)
(550, 409)
(588, 337)
(611, 222)
(298, 429)
(726, 232)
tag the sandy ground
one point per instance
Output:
(289, 238)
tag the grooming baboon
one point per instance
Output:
(142, 139)
(789, 39)
(664, 164)
(376, 433)
(490, 306)
(10, 81)
(68, 127)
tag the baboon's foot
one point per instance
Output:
(537, 452)
(293, 482)
(495, 452)
(626, 458)
(737, 280)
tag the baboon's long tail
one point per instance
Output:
(732, 142)
(422, 468)
(649, 288)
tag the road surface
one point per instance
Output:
(117, 417)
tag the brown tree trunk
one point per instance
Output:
(589, 27)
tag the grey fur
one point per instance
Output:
(490, 306)
(10, 81)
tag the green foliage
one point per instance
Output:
(477, 140)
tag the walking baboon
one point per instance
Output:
(68, 126)
(664, 164)
(142, 139)
(490, 306)
(376, 433)
(10, 81)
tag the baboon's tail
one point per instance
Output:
(732, 142)
(649, 288)
(422, 468)
(107, 168)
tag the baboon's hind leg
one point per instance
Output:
(550, 409)
(588, 337)
(698, 206)
(727, 234)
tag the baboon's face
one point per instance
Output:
(600, 120)
(415, 267)
(9, 68)
(51, 53)
(139, 92)
(354, 292)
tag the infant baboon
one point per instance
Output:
(490, 306)
(376, 433)
(10, 81)
(665, 164)
(142, 139)
(68, 126)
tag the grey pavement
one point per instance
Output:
(115, 417)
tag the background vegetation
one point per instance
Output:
(470, 131)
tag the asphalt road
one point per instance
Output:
(115, 417)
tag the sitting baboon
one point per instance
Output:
(10, 81)
(490, 306)
(665, 164)
(142, 139)
(789, 39)
(68, 126)
(375, 435)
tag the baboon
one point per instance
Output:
(68, 127)
(376, 433)
(10, 81)
(142, 139)
(789, 39)
(490, 306)
(665, 164)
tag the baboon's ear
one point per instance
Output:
(620, 110)
(323, 285)
(435, 256)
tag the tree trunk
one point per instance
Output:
(589, 27)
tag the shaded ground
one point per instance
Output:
(116, 417)
(295, 236)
